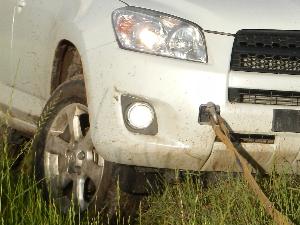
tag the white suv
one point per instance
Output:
(126, 82)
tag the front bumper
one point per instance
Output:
(176, 89)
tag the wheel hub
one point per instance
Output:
(81, 155)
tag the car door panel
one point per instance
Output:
(6, 38)
(32, 55)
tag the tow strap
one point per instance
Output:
(221, 130)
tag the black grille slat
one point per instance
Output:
(251, 138)
(266, 51)
(270, 52)
(265, 97)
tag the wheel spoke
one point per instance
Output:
(51, 164)
(56, 145)
(77, 128)
(58, 183)
(54, 186)
(93, 171)
(65, 179)
(74, 123)
(87, 143)
(63, 203)
(78, 192)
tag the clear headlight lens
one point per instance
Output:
(157, 33)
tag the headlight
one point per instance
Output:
(157, 33)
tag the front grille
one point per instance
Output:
(265, 97)
(266, 51)
(251, 138)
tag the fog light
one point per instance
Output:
(140, 115)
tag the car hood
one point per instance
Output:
(229, 16)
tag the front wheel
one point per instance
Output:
(71, 171)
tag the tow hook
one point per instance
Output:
(221, 129)
(212, 112)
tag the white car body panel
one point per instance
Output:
(180, 139)
(34, 32)
(176, 88)
(6, 10)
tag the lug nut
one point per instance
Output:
(81, 155)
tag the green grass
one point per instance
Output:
(225, 201)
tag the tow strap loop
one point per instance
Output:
(222, 132)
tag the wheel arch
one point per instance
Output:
(66, 63)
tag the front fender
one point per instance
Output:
(87, 24)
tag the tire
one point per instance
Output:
(67, 165)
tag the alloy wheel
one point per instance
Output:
(72, 167)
